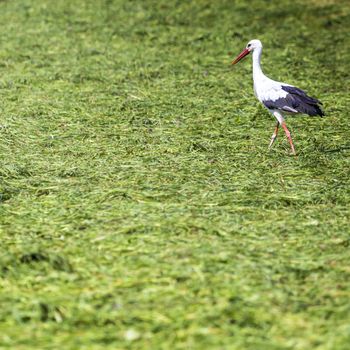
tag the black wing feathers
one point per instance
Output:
(302, 102)
(296, 101)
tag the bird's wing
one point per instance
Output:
(291, 99)
(301, 94)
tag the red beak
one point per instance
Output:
(244, 53)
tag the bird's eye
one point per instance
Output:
(249, 45)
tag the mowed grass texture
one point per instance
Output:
(140, 206)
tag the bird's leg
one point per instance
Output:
(274, 135)
(284, 126)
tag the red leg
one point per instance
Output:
(284, 126)
(274, 135)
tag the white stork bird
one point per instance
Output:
(279, 98)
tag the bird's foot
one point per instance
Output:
(293, 149)
(273, 138)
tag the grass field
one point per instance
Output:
(140, 207)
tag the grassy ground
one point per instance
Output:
(140, 207)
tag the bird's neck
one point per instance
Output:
(257, 72)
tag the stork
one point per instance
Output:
(279, 98)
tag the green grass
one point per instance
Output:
(140, 207)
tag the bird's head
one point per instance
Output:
(251, 46)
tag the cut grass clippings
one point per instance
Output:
(140, 207)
